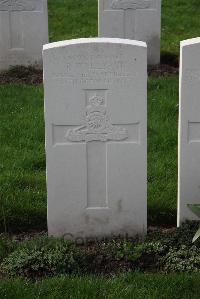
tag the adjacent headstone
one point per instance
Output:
(133, 19)
(189, 129)
(96, 142)
(23, 32)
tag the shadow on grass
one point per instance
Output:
(161, 217)
(169, 58)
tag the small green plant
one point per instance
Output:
(125, 250)
(6, 247)
(44, 257)
(155, 247)
(184, 259)
(196, 210)
(174, 237)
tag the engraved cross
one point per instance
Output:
(130, 8)
(15, 9)
(97, 134)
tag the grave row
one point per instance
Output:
(24, 27)
(96, 136)
(96, 114)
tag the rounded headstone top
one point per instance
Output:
(94, 41)
(189, 42)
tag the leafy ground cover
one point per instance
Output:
(54, 268)
(162, 251)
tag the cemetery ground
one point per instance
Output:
(23, 184)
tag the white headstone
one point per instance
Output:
(133, 19)
(96, 142)
(189, 129)
(23, 32)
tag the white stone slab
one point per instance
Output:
(23, 32)
(189, 129)
(96, 142)
(133, 19)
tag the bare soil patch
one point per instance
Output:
(30, 75)
(21, 74)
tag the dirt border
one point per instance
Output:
(33, 76)
(22, 74)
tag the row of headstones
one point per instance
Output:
(97, 172)
(24, 27)
(96, 136)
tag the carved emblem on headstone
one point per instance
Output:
(98, 126)
(130, 4)
(17, 5)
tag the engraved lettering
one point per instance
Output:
(104, 68)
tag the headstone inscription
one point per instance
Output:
(189, 129)
(96, 118)
(23, 31)
(133, 19)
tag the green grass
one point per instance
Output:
(180, 20)
(79, 18)
(22, 162)
(130, 286)
(72, 19)
(162, 149)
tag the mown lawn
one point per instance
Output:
(130, 286)
(22, 163)
(79, 18)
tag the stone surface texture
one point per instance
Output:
(96, 137)
(23, 32)
(189, 129)
(133, 19)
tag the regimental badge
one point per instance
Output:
(98, 126)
